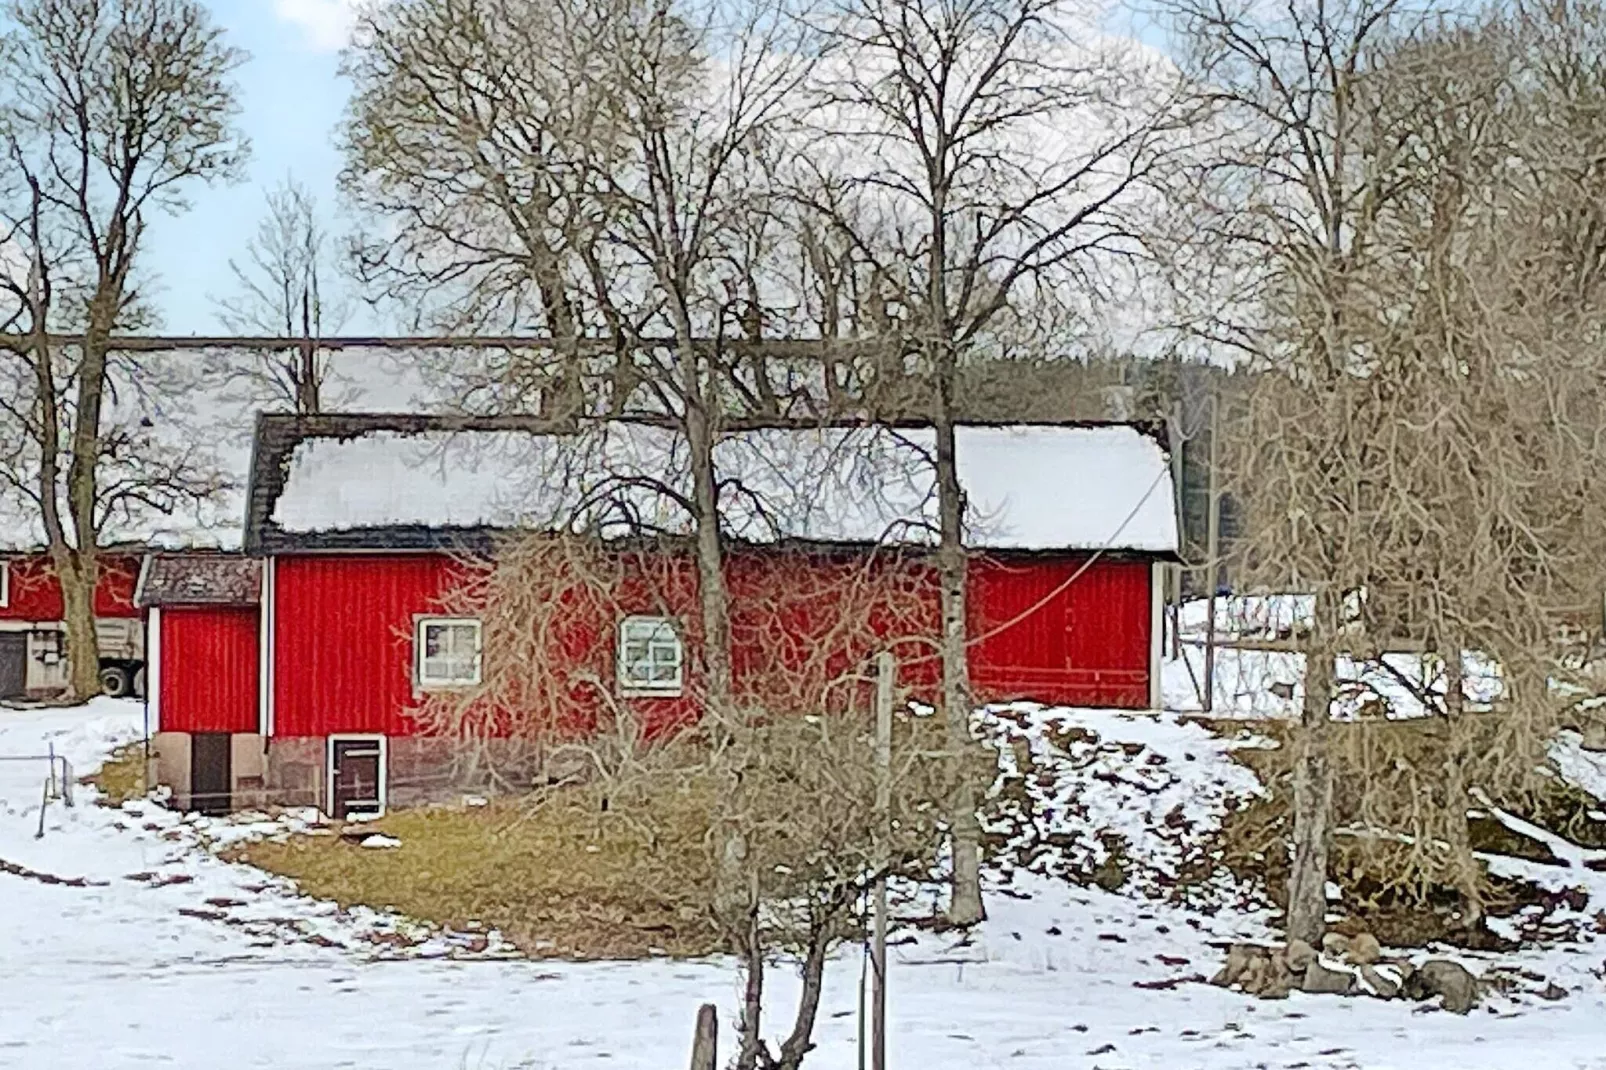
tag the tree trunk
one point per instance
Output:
(1464, 865)
(801, 1042)
(1454, 683)
(714, 599)
(965, 904)
(78, 572)
(78, 565)
(1313, 795)
(308, 383)
(751, 1025)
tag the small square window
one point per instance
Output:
(448, 652)
(651, 657)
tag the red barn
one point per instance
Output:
(369, 529)
(32, 655)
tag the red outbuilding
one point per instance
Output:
(307, 672)
(202, 617)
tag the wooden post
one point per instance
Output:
(1174, 574)
(1212, 558)
(886, 671)
(705, 1044)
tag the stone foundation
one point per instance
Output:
(294, 771)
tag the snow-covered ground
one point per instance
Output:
(138, 967)
(1255, 683)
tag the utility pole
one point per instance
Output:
(886, 670)
(1212, 553)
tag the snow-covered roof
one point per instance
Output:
(1028, 487)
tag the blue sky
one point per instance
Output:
(291, 100)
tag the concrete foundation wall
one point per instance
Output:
(290, 771)
(248, 763)
(170, 754)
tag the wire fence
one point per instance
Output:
(58, 781)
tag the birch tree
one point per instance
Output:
(980, 155)
(111, 110)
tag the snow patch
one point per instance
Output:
(1035, 487)
(1124, 800)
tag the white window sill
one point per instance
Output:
(652, 692)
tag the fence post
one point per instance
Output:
(886, 671)
(1212, 558)
(705, 1043)
(44, 804)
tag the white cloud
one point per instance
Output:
(327, 24)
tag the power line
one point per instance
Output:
(154, 343)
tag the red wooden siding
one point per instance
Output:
(344, 632)
(36, 596)
(210, 661)
(1086, 643)
(343, 640)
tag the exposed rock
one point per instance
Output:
(1299, 955)
(1442, 977)
(1553, 992)
(1238, 956)
(1334, 945)
(1364, 950)
(1256, 970)
(1384, 982)
(1322, 979)
(1272, 981)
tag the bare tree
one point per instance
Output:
(979, 156)
(468, 144)
(111, 109)
(286, 285)
(598, 169)
(688, 199)
(1294, 179)
(1409, 456)
(794, 785)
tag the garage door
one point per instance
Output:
(13, 664)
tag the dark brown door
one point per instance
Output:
(354, 789)
(13, 664)
(210, 781)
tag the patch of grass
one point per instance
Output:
(572, 875)
(122, 776)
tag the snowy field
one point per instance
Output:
(157, 955)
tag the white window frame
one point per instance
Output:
(5, 583)
(421, 626)
(656, 689)
(329, 768)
